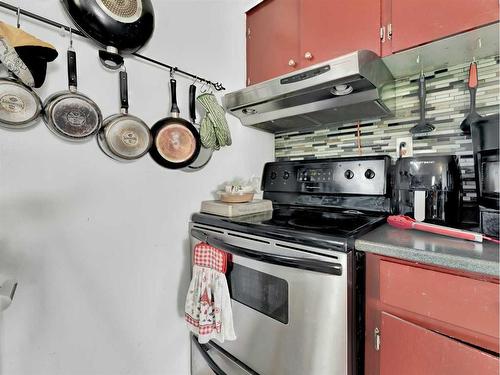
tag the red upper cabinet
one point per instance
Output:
(416, 22)
(332, 28)
(272, 39)
(286, 35)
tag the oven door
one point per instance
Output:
(290, 306)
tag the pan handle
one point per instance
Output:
(110, 60)
(72, 76)
(173, 91)
(192, 105)
(124, 91)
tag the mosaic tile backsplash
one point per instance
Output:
(447, 105)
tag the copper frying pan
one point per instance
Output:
(176, 142)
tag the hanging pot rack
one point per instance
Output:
(173, 69)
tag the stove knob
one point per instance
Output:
(349, 174)
(286, 175)
(273, 175)
(369, 174)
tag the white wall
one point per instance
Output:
(100, 248)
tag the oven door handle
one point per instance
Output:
(280, 260)
(211, 363)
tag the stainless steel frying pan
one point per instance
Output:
(69, 114)
(20, 106)
(124, 137)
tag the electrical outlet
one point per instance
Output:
(404, 147)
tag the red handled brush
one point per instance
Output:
(406, 222)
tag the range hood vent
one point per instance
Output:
(352, 87)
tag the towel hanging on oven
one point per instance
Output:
(208, 311)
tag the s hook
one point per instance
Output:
(204, 87)
(18, 14)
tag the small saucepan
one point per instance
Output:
(70, 114)
(176, 142)
(124, 137)
(20, 106)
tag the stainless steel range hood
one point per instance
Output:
(352, 87)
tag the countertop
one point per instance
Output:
(428, 248)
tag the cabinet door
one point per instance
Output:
(416, 22)
(331, 28)
(412, 350)
(272, 39)
(472, 305)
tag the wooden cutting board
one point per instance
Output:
(236, 209)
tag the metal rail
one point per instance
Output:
(216, 85)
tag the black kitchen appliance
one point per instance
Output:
(428, 188)
(485, 143)
(295, 277)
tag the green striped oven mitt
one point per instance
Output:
(214, 130)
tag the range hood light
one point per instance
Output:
(340, 90)
(249, 111)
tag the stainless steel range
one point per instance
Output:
(294, 279)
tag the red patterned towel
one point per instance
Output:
(208, 311)
(210, 257)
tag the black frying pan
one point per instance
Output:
(176, 142)
(205, 153)
(122, 26)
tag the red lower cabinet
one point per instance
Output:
(409, 349)
(427, 320)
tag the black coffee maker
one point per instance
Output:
(485, 144)
(428, 188)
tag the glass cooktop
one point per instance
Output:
(299, 224)
(318, 220)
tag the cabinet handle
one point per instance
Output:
(376, 336)
(382, 34)
(308, 56)
(292, 63)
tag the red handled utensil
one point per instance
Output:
(406, 222)
(472, 84)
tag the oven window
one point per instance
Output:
(260, 291)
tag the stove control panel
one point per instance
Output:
(359, 176)
(315, 175)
